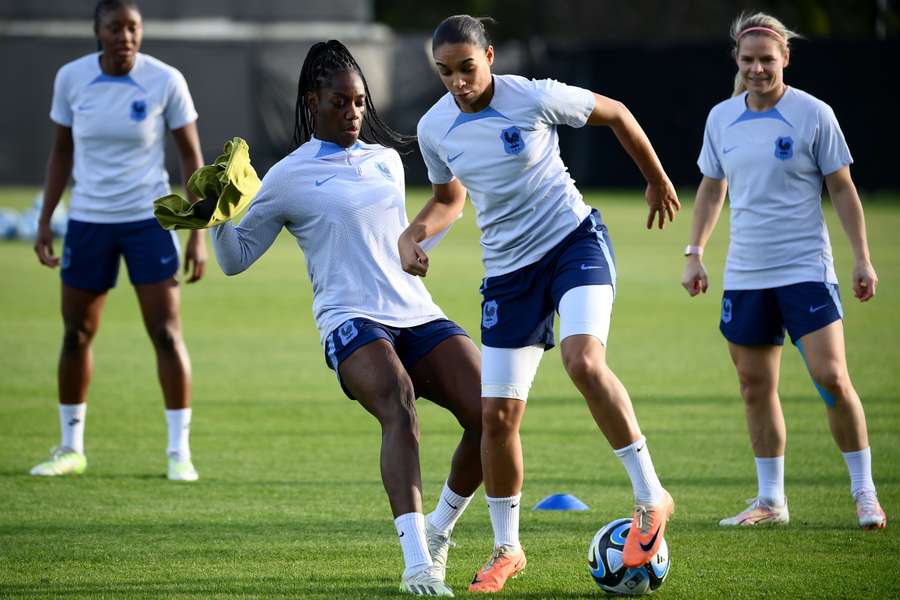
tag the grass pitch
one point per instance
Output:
(290, 504)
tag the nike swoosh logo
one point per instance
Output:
(647, 547)
(514, 505)
(641, 448)
(326, 180)
(727, 150)
(450, 159)
(475, 579)
(402, 533)
(817, 308)
(167, 259)
(589, 267)
(450, 505)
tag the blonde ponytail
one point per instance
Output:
(758, 24)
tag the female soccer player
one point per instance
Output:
(111, 109)
(772, 145)
(544, 250)
(343, 199)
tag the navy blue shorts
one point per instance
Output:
(759, 317)
(410, 343)
(517, 308)
(91, 252)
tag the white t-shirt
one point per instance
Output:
(507, 157)
(346, 208)
(119, 126)
(775, 163)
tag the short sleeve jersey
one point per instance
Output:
(507, 156)
(118, 126)
(775, 163)
(345, 207)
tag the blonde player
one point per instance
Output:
(771, 146)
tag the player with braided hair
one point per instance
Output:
(341, 194)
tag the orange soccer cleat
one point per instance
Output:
(505, 563)
(648, 526)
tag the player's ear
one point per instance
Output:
(787, 58)
(489, 55)
(312, 101)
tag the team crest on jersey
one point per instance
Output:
(512, 140)
(726, 310)
(489, 314)
(784, 148)
(385, 170)
(347, 332)
(138, 110)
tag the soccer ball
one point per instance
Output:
(608, 571)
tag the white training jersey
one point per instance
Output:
(119, 126)
(507, 157)
(775, 162)
(346, 208)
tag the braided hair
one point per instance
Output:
(323, 61)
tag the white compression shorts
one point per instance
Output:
(509, 372)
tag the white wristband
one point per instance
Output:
(698, 250)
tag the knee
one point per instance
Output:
(756, 387)
(398, 408)
(833, 379)
(584, 367)
(500, 420)
(166, 338)
(77, 337)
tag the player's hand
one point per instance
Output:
(694, 279)
(43, 246)
(663, 203)
(195, 256)
(865, 280)
(413, 258)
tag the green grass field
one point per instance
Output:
(290, 504)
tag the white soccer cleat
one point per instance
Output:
(63, 461)
(427, 582)
(438, 546)
(869, 511)
(760, 512)
(181, 470)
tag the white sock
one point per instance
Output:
(179, 422)
(71, 425)
(770, 478)
(505, 520)
(411, 530)
(644, 482)
(449, 508)
(859, 464)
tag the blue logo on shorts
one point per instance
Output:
(784, 148)
(347, 332)
(726, 310)
(138, 110)
(385, 171)
(512, 140)
(66, 261)
(489, 314)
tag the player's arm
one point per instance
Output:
(660, 194)
(849, 209)
(446, 203)
(59, 169)
(190, 158)
(707, 208)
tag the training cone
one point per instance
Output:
(560, 502)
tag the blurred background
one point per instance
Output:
(668, 61)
